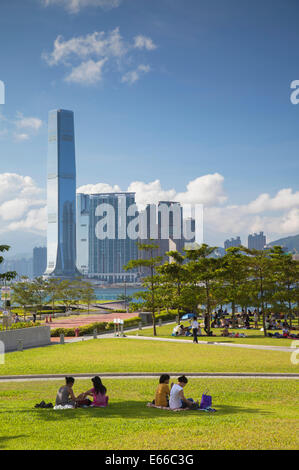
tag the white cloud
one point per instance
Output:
(153, 192)
(86, 55)
(21, 137)
(98, 188)
(31, 123)
(87, 73)
(134, 75)
(20, 128)
(74, 6)
(143, 42)
(22, 205)
(97, 44)
(277, 216)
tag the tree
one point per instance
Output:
(39, 293)
(260, 278)
(9, 275)
(53, 289)
(69, 293)
(152, 281)
(87, 293)
(203, 269)
(175, 275)
(285, 273)
(234, 274)
(23, 295)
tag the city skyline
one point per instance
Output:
(175, 104)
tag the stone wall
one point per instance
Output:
(25, 337)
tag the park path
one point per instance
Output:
(150, 375)
(173, 340)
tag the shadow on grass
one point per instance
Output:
(130, 410)
(4, 439)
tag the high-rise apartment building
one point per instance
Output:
(39, 260)
(104, 246)
(233, 242)
(61, 195)
(257, 241)
(166, 228)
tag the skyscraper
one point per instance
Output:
(257, 241)
(61, 195)
(233, 242)
(39, 260)
(103, 256)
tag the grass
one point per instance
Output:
(249, 415)
(129, 355)
(253, 336)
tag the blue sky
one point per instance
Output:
(201, 87)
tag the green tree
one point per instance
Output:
(285, 274)
(152, 281)
(38, 289)
(23, 295)
(53, 290)
(260, 278)
(174, 278)
(87, 293)
(234, 271)
(203, 270)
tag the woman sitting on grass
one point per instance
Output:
(98, 392)
(177, 397)
(162, 392)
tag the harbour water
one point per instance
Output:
(112, 293)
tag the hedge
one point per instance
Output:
(18, 326)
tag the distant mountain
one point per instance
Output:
(292, 243)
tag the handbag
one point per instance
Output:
(206, 401)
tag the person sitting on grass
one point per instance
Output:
(162, 392)
(177, 397)
(65, 395)
(225, 332)
(98, 392)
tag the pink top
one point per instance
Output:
(99, 399)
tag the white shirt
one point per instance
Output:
(175, 399)
(194, 324)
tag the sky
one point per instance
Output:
(184, 100)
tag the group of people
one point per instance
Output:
(173, 397)
(66, 397)
(181, 330)
(167, 396)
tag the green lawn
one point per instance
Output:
(129, 355)
(259, 414)
(253, 336)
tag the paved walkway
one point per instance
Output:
(216, 343)
(86, 319)
(149, 375)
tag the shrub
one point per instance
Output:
(20, 325)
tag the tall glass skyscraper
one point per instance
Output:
(61, 195)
